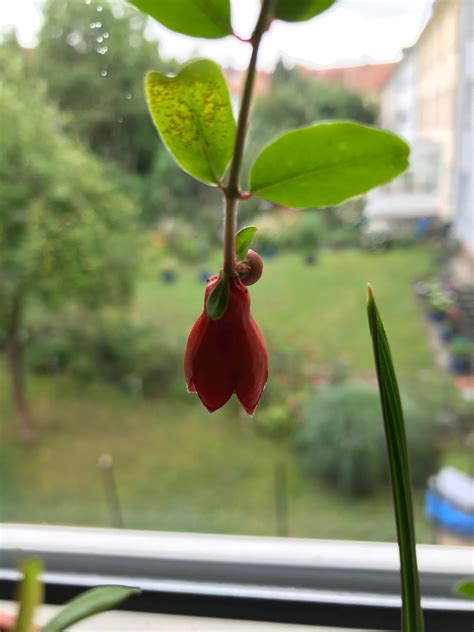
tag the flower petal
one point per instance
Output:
(213, 366)
(194, 338)
(254, 367)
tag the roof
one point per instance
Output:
(369, 78)
(235, 80)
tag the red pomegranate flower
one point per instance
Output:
(227, 355)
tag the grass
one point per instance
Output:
(178, 468)
(319, 310)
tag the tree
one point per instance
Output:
(92, 58)
(168, 192)
(65, 231)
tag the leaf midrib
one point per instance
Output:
(307, 172)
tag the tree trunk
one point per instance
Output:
(27, 430)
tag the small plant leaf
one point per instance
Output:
(465, 588)
(87, 604)
(243, 239)
(218, 298)
(193, 115)
(291, 11)
(30, 594)
(198, 18)
(412, 615)
(326, 164)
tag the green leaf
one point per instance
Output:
(193, 115)
(465, 588)
(412, 615)
(87, 604)
(299, 10)
(30, 594)
(198, 18)
(218, 298)
(327, 163)
(243, 240)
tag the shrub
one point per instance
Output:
(291, 378)
(112, 349)
(305, 233)
(182, 239)
(49, 351)
(342, 441)
(276, 420)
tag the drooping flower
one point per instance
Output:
(227, 355)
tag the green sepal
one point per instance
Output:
(243, 239)
(218, 299)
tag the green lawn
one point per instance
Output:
(178, 468)
(319, 310)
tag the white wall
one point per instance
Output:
(398, 100)
(464, 178)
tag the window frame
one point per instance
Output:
(285, 580)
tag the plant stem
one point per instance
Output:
(232, 192)
(230, 228)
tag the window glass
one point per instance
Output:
(106, 247)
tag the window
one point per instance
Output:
(105, 252)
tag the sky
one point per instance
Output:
(350, 33)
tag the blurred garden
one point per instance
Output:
(105, 249)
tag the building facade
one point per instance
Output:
(429, 100)
(437, 93)
(464, 166)
(398, 101)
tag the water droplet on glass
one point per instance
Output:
(103, 72)
(120, 119)
(105, 35)
(102, 50)
(74, 38)
(100, 39)
(95, 25)
(87, 1)
(128, 95)
(99, 8)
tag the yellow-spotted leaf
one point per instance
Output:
(193, 115)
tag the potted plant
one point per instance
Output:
(448, 330)
(453, 314)
(460, 351)
(168, 271)
(438, 303)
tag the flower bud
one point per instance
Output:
(227, 355)
(251, 269)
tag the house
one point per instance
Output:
(464, 155)
(398, 99)
(368, 79)
(428, 100)
(437, 93)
